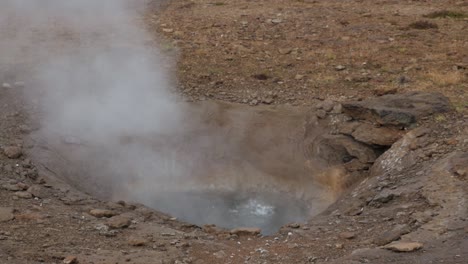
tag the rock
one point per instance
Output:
(348, 128)
(247, 231)
(6, 214)
(356, 165)
(168, 30)
(404, 246)
(340, 68)
(391, 235)
(321, 114)
(13, 152)
(100, 213)
(348, 235)
(337, 109)
(384, 91)
(399, 109)
(70, 260)
(119, 221)
(299, 77)
(276, 20)
(38, 191)
(12, 187)
(24, 195)
(213, 229)
(6, 85)
(137, 242)
(220, 254)
(383, 136)
(384, 196)
(335, 148)
(326, 105)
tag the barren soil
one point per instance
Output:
(280, 59)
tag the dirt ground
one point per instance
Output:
(286, 53)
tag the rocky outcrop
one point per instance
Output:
(397, 109)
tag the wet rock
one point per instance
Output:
(383, 136)
(336, 147)
(391, 235)
(404, 246)
(398, 109)
(70, 260)
(213, 229)
(13, 152)
(246, 231)
(100, 213)
(24, 195)
(119, 221)
(6, 214)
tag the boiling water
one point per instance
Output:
(268, 211)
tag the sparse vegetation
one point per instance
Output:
(422, 24)
(446, 78)
(446, 14)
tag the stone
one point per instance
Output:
(384, 196)
(383, 136)
(13, 152)
(340, 68)
(398, 109)
(6, 85)
(119, 221)
(137, 242)
(24, 195)
(38, 191)
(404, 246)
(70, 260)
(391, 235)
(100, 213)
(337, 147)
(12, 187)
(220, 254)
(348, 235)
(321, 114)
(384, 91)
(246, 231)
(276, 20)
(326, 105)
(6, 214)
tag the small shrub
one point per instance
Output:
(422, 25)
(446, 14)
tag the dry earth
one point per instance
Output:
(410, 208)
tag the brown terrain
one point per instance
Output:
(357, 109)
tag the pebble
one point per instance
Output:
(340, 68)
(24, 195)
(70, 260)
(100, 213)
(137, 242)
(119, 221)
(6, 85)
(348, 235)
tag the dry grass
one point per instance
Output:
(446, 78)
(422, 25)
(446, 14)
